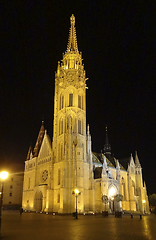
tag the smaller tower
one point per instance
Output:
(139, 182)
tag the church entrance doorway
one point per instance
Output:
(111, 205)
(112, 191)
(38, 201)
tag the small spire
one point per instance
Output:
(72, 41)
(107, 146)
(58, 66)
(88, 132)
(105, 163)
(137, 163)
(117, 165)
(29, 153)
(131, 160)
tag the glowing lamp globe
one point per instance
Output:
(76, 191)
(3, 175)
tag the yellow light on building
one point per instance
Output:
(143, 201)
(3, 175)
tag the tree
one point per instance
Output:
(152, 202)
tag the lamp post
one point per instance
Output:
(3, 176)
(76, 193)
(143, 201)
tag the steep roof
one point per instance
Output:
(96, 157)
(99, 159)
(39, 140)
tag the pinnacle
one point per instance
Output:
(137, 163)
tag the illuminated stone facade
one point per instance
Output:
(54, 171)
(12, 190)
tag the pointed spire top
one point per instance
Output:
(43, 120)
(131, 160)
(72, 41)
(107, 146)
(72, 20)
(137, 163)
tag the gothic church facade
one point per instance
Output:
(54, 170)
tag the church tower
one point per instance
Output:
(69, 129)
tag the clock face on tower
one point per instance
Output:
(45, 175)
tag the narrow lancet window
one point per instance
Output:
(70, 99)
(79, 126)
(79, 101)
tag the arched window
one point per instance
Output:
(79, 126)
(29, 183)
(70, 99)
(71, 63)
(123, 188)
(133, 187)
(61, 101)
(83, 151)
(61, 157)
(79, 101)
(61, 126)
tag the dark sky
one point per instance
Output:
(118, 45)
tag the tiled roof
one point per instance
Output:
(39, 141)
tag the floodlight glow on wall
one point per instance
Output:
(111, 192)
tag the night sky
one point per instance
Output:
(118, 45)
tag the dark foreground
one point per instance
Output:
(31, 226)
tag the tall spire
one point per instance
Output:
(72, 41)
(107, 146)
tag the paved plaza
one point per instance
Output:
(31, 226)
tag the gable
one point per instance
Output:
(45, 150)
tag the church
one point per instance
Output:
(58, 172)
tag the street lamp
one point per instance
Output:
(143, 201)
(76, 193)
(3, 176)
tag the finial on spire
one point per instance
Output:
(72, 20)
(42, 119)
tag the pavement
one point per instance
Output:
(31, 226)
